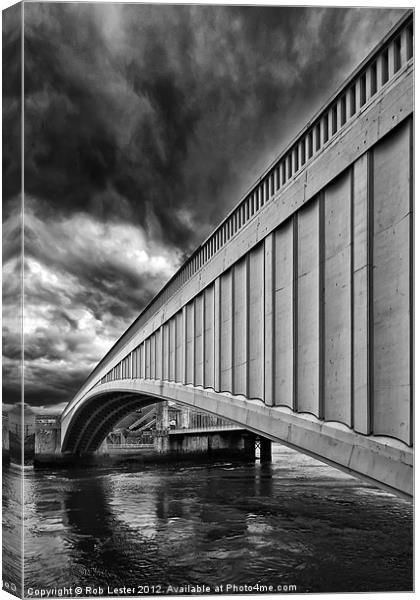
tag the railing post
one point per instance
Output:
(339, 115)
(323, 130)
(282, 172)
(295, 160)
(330, 122)
(359, 92)
(393, 59)
(301, 155)
(406, 45)
(384, 68)
(309, 146)
(349, 103)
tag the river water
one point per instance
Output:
(294, 522)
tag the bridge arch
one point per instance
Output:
(381, 460)
(96, 417)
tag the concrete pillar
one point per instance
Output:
(265, 449)
(249, 445)
(406, 45)
(185, 418)
(48, 436)
(22, 435)
(161, 443)
(165, 415)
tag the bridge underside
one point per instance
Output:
(97, 417)
(384, 461)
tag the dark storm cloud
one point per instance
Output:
(11, 107)
(145, 112)
(143, 126)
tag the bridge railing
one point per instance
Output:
(386, 61)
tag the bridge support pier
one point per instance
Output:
(226, 444)
(265, 450)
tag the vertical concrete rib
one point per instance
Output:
(307, 309)
(216, 324)
(295, 312)
(256, 323)
(168, 348)
(321, 307)
(411, 277)
(232, 328)
(370, 343)
(184, 345)
(391, 284)
(143, 359)
(268, 363)
(191, 321)
(352, 297)
(338, 358)
(247, 337)
(283, 284)
(203, 340)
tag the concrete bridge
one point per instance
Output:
(293, 319)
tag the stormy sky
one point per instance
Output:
(144, 126)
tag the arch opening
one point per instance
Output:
(97, 417)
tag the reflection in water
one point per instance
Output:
(12, 530)
(294, 521)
